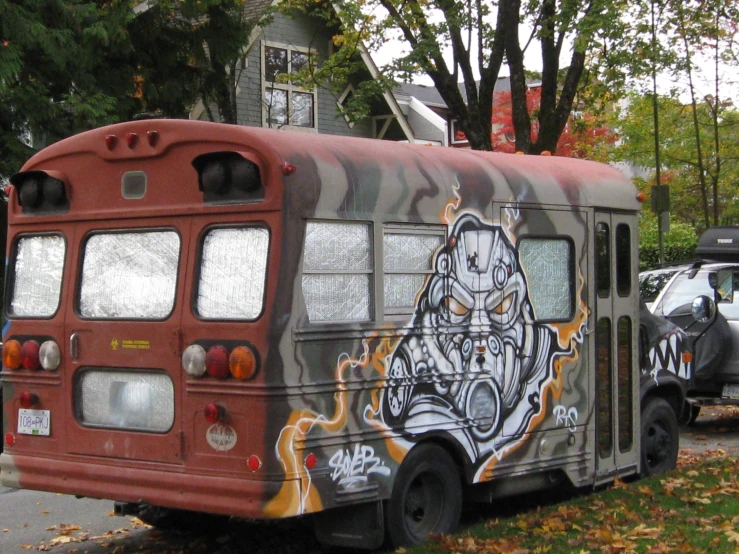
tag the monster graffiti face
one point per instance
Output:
(475, 360)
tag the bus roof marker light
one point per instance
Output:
(216, 362)
(28, 400)
(12, 354)
(131, 139)
(640, 196)
(50, 355)
(152, 137)
(242, 363)
(288, 168)
(30, 355)
(193, 360)
(110, 141)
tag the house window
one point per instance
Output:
(337, 271)
(458, 136)
(407, 256)
(286, 104)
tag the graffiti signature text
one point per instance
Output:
(352, 468)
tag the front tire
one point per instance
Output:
(660, 437)
(426, 497)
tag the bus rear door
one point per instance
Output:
(122, 328)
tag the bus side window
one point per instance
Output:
(603, 260)
(623, 260)
(407, 260)
(337, 271)
(549, 269)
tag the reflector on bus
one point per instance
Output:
(41, 191)
(228, 177)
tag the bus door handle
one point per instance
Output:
(74, 345)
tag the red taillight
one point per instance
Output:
(9, 439)
(29, 355)
(216, 362)
(213, 413)
(28, 400)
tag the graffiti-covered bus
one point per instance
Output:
(266, 324)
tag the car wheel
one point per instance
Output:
(426, 497)
(689, 414)
(659, 437)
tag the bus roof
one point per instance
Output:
(335, 161)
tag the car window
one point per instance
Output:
(650, 284)
(683, 291)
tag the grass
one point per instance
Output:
(694, 509)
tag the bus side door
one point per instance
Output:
(615, 356)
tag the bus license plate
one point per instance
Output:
(731, 391)
(34, 422)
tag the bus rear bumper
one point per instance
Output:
(204, 493)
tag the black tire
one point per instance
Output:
(426, 497)
(689, 414)
(660, 438)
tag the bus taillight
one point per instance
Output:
(29, 355)
(12, 357)
(216, 362)
(242, 363)
(49, 355)
(28, 400)
(193, 360)
(214, 413)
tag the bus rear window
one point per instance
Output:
(129, 275)
(37, 282)
(233, 273)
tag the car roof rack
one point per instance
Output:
(719, 244)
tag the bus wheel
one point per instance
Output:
(689, 414)
(659, 437)
(426, 497)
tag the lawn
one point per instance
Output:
(692, 509)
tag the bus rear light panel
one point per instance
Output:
(29, 355)
(28, 400)
(218, 361)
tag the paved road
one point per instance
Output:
(31, 521)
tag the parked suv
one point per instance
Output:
(713, 376)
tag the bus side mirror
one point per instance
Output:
(703, 309)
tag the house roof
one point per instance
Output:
(254, 9)
(430, 96)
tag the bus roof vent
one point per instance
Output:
(228, 178)
(42, 192)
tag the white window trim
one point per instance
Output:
(289, 88)
(453, 124)
(340, 103)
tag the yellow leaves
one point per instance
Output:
(733, 536)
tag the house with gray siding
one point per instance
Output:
(281, 44)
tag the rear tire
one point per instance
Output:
(426, 497)
(660, 438)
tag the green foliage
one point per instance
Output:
(679, 242)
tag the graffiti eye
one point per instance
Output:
(456, 307)
(504, 306)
